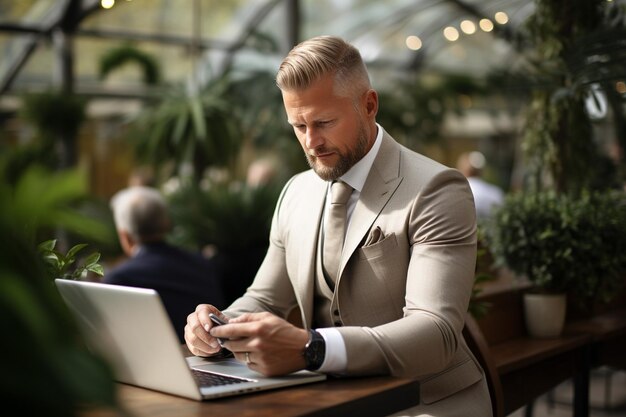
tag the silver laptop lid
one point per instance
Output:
(130, 327)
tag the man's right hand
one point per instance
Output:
(199, 340)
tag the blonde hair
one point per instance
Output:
(317, 57)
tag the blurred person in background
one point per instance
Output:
(182, 279)
(487, 196)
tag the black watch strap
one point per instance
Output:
(314, 351)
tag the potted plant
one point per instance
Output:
(563, 239)
(564, 245)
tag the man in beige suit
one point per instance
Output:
(397, 303)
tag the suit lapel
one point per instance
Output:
(382, 181)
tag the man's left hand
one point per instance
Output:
(273, 345)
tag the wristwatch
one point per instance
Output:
(314, 351)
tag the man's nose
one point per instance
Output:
(313, 139)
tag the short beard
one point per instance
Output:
(345, 162)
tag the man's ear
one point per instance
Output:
(127, 242)
(371, 103)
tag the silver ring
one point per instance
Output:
(248, 358)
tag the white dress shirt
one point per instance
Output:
(486, 196)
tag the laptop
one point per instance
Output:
(130, 327)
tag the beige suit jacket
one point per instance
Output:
(401, 300)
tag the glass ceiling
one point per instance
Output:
(197, 38)
(52, 44)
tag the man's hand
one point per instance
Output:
(199, 340)
(273, 345)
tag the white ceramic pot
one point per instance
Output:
(544, 314)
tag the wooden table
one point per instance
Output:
(528, 367)
(368, 396)
(608, 332)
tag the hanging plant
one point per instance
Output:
(120, 56)
(54, 113)
(56, 117)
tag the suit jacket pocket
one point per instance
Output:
(379, 248)
(449, 382)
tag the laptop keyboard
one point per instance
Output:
(210, 379)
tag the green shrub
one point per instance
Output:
(561, 243)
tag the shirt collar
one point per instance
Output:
(356, 176)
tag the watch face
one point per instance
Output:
(315, 351)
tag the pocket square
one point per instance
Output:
(375, 236)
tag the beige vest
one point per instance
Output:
(326, 314)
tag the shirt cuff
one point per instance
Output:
(336, 358)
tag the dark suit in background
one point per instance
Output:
(182, 279)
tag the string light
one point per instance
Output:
(413, 42)
(501, 18)
(107, 4)
(451, 33)
(486, 25)
(468, 27)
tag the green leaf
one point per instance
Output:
(181, 128)
(48, 245)
(75, 249)
(197, 117)
(92, 259)
(96, 268)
